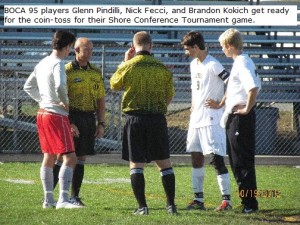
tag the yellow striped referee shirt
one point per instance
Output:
(85, 86)
(147, 83)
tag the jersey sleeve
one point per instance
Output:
(220, 71)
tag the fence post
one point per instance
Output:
(16, 113)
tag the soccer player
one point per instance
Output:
(47, 85)
(87, 106)
(239, 117)
(148, 90)
(205, 135)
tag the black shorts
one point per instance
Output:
(145, 138)
(86, 124)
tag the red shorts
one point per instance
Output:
(54, 133)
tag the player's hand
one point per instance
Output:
(212, 104)
(240, 109)
(65, 106)
(129, 54)
(99, 131)
(74, 130)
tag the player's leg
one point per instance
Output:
(63, 144)
(133, 150)
(65, 180)
(44, 122)
(84, 145)
(158, 150)
(213, 141)
(77, 180)
(46, 175)
(138, 187)
(241, 146)
(57, 165)
(194, 147)
(223, 178)
(168, 181)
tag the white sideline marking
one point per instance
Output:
(108, 181)
(104, 181)
(17, 181)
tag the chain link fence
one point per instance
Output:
(277, 62)
(277, 109)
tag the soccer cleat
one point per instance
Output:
(196, 205)
(67, 205)
(249, 210)
(225, 205)
(141, 211)
(48, 205)
(76, 201)
(172, 210)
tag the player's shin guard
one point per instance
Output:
(138, 186)
(77, 178)
(168, 181)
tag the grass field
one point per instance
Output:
(109, 199)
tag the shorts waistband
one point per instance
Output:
(41, 111)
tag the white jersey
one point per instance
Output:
(47, 85)
(243, 78)
(207, 82)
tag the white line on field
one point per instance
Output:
(107, 181)
(104, 181)
(18, 181)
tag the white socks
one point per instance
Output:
(46, 175)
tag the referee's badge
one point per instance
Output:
(77, 80)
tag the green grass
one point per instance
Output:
(110, 202)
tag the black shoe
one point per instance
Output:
(76, 201)
(247, 210)
(172, 210)
(141, 211)
(196, 205)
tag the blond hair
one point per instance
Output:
(232, 37)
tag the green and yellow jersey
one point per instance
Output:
(147, 84)
(85, 86)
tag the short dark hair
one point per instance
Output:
(62, 39)
(193, 38)
(142, 38)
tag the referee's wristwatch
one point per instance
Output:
(101, 123)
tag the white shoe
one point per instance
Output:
(67, 205)
(48, 205)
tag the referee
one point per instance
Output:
(87, 110)
(148, 90)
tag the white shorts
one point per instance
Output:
(207, 140)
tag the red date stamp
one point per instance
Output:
(259, 193)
